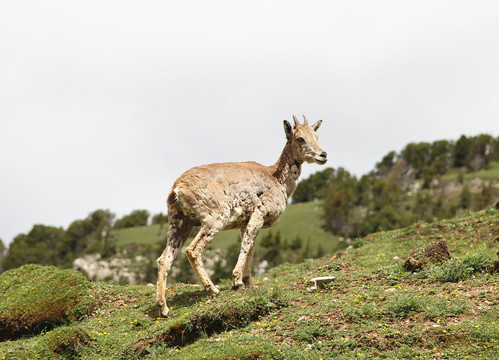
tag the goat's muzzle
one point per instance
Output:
(322, 158)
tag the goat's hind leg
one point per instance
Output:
(241, 276)
(177, 235)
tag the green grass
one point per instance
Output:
(140, 235)
(373, 310)
(303, 219)
(491, 172)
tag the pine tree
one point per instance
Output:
(320, 251)
(465, 197)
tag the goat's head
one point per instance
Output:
(303, 140)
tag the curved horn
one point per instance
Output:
(297, 123)
(305, 121)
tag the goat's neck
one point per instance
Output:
(288, 169)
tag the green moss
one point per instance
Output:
(34, 298)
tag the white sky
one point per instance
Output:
(104, 103)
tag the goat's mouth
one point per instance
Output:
(320, 160)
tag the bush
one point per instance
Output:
(135, 218)
(34, 298)
(404, 305)
(454, 270)
(160, 219)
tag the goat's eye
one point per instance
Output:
(300, 140)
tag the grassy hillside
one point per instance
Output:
(374, 309)
(490, 173)
(304, 220)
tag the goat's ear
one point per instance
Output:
(317, 125)
(288, 129)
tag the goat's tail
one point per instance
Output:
(172, 199)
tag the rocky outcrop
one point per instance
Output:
(114, 270)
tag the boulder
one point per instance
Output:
(432, 254)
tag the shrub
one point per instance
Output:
(455, 270)
(475, 263)
(135, 218)
(404, 305)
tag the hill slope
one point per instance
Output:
(303, 219)
(373, 309)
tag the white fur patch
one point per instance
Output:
(236, 214)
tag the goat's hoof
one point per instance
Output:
(237, 286)
(215, 294)
(163, 311)
(214, 291)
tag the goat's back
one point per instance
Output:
(228, 192)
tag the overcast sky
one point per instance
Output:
(104, 103)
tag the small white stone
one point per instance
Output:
(319, 282)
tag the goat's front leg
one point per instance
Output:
(242, 271)
(194, 252)
(247, 281)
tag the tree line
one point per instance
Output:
(404, 187)
(50, 245)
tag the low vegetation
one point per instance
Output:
(375, 308)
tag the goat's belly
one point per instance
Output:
(270, 222)
(239, 224)
(239, 218)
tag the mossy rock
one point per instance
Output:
(35, 298)
(432, 254)
(66, 342)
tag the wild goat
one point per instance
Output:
(246, 196)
